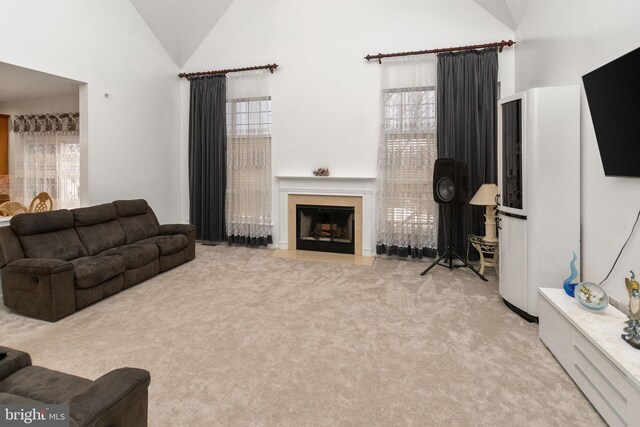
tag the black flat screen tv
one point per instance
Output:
(613, 94)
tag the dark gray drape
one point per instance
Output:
(467, 98)
(208, 156)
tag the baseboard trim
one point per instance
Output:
(526, 316)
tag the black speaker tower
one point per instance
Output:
(450, 186)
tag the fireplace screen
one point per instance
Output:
(325, 228)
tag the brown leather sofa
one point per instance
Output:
(118, 398)
(55, 263)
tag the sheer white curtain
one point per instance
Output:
(45, 157)
(407, 216)
(248, 201)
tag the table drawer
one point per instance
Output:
(601, 381)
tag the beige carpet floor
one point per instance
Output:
(238, 337)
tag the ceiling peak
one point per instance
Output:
(181, 25)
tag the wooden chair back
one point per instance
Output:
(41, 203)
(11, 208)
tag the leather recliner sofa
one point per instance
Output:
(118, 398)
(55, 263)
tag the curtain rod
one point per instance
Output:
(500, 45)
(269, 67)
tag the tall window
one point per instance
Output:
(249, 170)
(407, 217)
(45, 157)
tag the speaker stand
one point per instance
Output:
(451, 254)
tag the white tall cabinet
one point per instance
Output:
(539, 192)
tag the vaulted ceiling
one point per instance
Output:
(509, 12)
(181, 25)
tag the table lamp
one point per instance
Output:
(486, 196)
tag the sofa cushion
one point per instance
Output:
(94, 214)
(137, 219)
(98, 228)
(44, 385)
(100, 237)
(92, 271)
(135, 255)
(48, 235)
(134, 207)
(138, 227)
(63, 244)
(168, 244)
(42, 222)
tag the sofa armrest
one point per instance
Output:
(167, 229)
(188, 230)
(39, 287)
(12, 361)
(39, 266)
(10, 247)
(119, 398)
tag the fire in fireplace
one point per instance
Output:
(325, 228)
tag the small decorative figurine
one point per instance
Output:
(591, 297)
(632, 331)
(323, 171)
(569, 287)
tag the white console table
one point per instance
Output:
(590, 349)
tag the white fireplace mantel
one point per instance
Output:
(362, 186)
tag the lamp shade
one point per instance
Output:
(485, 196)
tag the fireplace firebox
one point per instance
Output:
(325, 228)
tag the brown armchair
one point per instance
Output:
(118, 398)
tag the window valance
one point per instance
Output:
(46, 123)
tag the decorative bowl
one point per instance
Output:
(591, 297)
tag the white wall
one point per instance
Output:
(130, 139)
(558, 42)
(325, 96)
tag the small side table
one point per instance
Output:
(484, 249)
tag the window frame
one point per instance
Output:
(417, 137)
(232, 113)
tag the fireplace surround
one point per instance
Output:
(326, 203)
(350, 191)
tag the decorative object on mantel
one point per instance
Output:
(569, 287)
(323, 171)
(632, 331)
(591, 297)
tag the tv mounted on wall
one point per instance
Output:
(613, 94)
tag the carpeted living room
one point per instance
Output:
(237, 337)
(246, 212)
